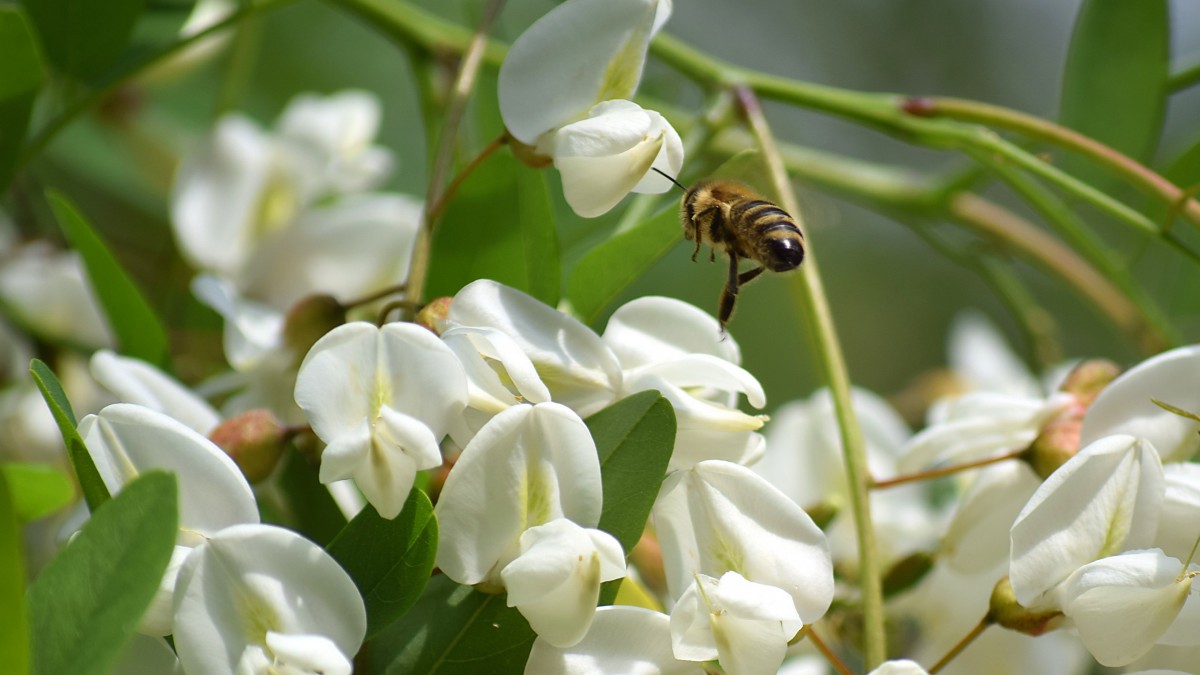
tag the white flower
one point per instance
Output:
(555, 581)
(1123, 604)
(1104, 500)
(564, 87)
(978, 353)
(135, 381)
(899, 667)
(46, 292)
(719, 517)
(976, 540)
(527, 466)
(746, 626)
(621, 639)
(1179, 524)
(381, 399)
(576, 366)
(125, 439)
(262, 599)
(1125, 406)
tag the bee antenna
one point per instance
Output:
(677, 183)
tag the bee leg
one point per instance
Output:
(748, 276)
(729, 295)
(697, 251)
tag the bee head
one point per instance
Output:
(786, 253)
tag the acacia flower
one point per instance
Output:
(563, 90)
(621, 639)
(381, 399)
(262, 599)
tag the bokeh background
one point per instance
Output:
(893, 297)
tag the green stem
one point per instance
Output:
(1185, 76)
(814, 305)
(443, 161)
(103, 90)
(240, 65)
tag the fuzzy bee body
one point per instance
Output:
(735, 220)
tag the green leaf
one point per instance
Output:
(454, 629)
(389, 560)
(20, 80)
(634, 438)
(499, 226)
(310, 509)
(37, 489)
(1115, 82)
(14, 624)
(601, 275)
(94, 491)
(86, 604)
(139, 332)
(82, 38)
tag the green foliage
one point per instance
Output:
(37, 489)
(139, 332)
(86, 604)
(500, 226)
(90, 482)
(14, 624)
(20, 80)
(389, 560)
(83, 38)
(1115, 83)
(600, 276)
(454, 629)
(309, 508)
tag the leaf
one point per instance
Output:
(1115, 81)
(91, 484)
(454, 629)
(86, 604)
(634, 438)
(606, 270)
(389, 560)
(139, 332)
(499, 226)
(14, 624)
(20, 80)
(310, 509)
(82, 38)
(37, 489)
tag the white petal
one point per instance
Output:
(249, 580)
(604, 157)
(47, 292)
(555, 581)
(621, 639)
(691, 622)
(653, 329)
(1121, 605)
(527, 466)
(747, 625)
(1179, 525)
(349, 248)
(668, 161)
(478, 349)
(125, 440)
(1184, 631)
(402, 445)
(157, 621)
(135, 381)
(979, 353)
(574, 363)
(308, 653)
(578, 54)
(1103, 500)
(899, 667)
(216, 197)
(252, 329)
(1125, 405)
(718, 517)
(976, 539)
(695, 371)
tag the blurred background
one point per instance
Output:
(893, 296)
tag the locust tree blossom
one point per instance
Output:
(381, 399)
(621, 639)
(518, 512)
(125, 439)
(563, 91)
(46, 292)
(1103, 501)
(744, 625)
(262, 599)
(719, 517)
(135, 381)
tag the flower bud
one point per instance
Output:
(1087, 379)
(433, 315)
(254, 440)
(310, 318)
(907, 572)
(1004, 610)
(1058, 439)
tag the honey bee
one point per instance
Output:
(737, 221)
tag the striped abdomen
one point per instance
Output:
(767, 234)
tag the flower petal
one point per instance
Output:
(309, 653)
(621, 640)
(604, 157)
(653, 329)
(135, 381)
(578, 54)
